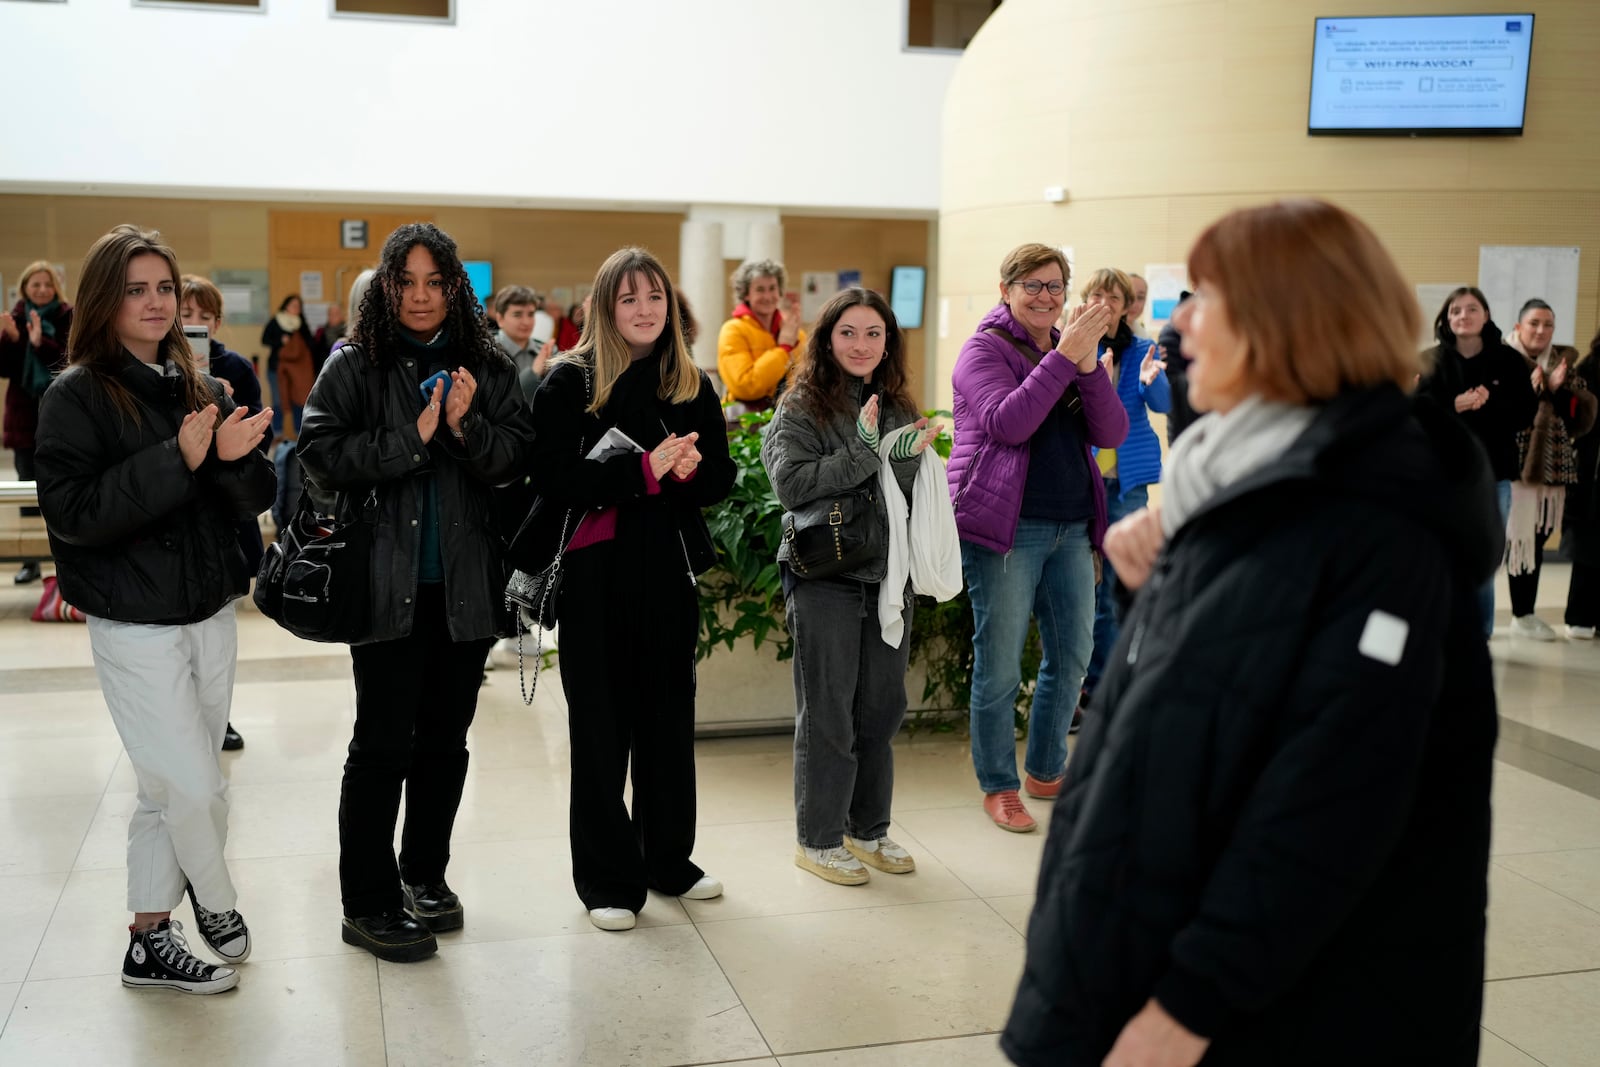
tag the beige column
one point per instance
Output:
(702, 279)
(766, 242)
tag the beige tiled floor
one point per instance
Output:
(784, 971)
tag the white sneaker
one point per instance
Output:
(503, 654)
(613, 918)
(883, 854)
(1532, 627)
(707, 888)
(1581, 633)
(834, 865)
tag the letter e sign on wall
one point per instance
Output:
(352, 233)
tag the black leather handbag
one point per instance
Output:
(315, 580)
(834, 534)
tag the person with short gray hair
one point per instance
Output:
(755, 348)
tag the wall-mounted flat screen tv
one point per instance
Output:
(906, 285)
(1421, 75)
(480, 273)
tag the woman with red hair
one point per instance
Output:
(1273, 842)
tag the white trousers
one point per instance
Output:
(169, 689)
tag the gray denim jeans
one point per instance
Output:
(850, 699)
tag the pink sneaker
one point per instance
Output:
(1040, 789)
(1008, 812)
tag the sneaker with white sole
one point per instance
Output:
(1580, 633)
(1532, 627)
(834, 864)
(159, 958)
(224, 932)
(882, 853)
(613, 918)
(707, 888)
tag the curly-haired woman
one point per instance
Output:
(433, 455)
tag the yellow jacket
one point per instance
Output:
(750, 359)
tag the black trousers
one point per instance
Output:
(415, 699)
(1525, 587)
(627, 668)
(1583, 596)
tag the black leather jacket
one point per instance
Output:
(343, 451)
(136, 535)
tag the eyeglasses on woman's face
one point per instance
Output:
(1033, 287)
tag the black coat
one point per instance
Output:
(1276, 822)
(136, 535)
(1512, 402)
(665, 531)
(22, 407)
(343, 450)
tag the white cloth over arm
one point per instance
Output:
(923, 544)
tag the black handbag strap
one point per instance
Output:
(1071, 399)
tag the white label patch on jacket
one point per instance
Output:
(1384, 638)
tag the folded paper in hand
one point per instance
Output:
(614, 443)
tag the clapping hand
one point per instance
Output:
(1472, 399)
(428, 421)
(238, 435)
(1150, 367)
(8, 327)
(1558, 377)
(35, 329)
(1086, 324)
(463, 387)
(194, 436)
(930, 432)
(675, 455)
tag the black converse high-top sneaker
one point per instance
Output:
(224, 932)
(160, 957)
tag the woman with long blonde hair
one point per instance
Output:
(146, 468)
(630, 517)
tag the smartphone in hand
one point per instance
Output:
(427, 386)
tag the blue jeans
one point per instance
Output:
(1049, 573)
(1486, 593)
(1106, 615)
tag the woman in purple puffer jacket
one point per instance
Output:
(1030, 402)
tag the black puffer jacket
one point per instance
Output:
(663, 532)
(344, 451)
(1277, 819)
(136, 535)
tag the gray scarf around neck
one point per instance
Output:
(1220, 449)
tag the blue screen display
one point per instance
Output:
(480, 272)
(906, 292)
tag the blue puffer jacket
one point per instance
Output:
(1139, 456)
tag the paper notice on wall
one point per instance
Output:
(310, 285)
(1512, 274)
(1430, 298)
(1167, 282)
(236, 302)
(816, 286)
(944, 317)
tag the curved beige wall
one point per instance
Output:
(1157, 116)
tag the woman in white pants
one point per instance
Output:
(145, 469)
